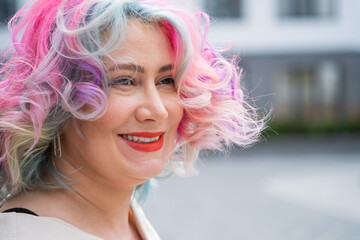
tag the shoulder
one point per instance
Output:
(18, 226)
(143, 225)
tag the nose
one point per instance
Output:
(152, 106)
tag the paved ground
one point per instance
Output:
(290, 188)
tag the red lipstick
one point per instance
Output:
(143, 146)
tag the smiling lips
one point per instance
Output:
(144, 141)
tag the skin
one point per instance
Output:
(104, 169)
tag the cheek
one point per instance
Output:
(176, 113)
(179, 114)
(118, 110)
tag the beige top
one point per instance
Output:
(19, 226)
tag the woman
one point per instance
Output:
(97, 97)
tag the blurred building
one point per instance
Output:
(302, 57)
(7, 9)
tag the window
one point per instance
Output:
(7, 9)
(309, 92)
(306, 8)
(225, 8)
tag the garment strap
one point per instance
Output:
(20, 210)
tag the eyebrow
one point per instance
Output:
(138, 68)
(166, 68)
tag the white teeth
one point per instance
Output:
(140, 139)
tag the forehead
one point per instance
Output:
(144, 44)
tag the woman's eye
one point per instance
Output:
(168, 80)
(123, 82)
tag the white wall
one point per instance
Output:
(262, 31)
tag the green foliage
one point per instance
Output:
(314, 128)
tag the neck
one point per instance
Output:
(93, 206)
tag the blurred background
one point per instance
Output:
(302, 181)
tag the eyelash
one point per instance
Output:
(121, 81)
(128, 81)
(172, 81)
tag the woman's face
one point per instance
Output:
(133, 140)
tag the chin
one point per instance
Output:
(148, 169)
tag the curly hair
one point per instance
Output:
(54, 67)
